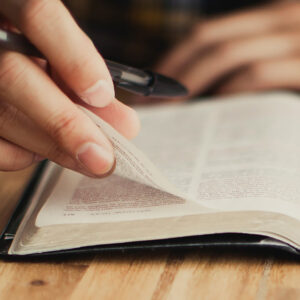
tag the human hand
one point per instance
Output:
(38, 116)
(253, 50)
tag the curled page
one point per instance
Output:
(136, 190)
(131, 162)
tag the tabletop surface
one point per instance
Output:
(177, 274)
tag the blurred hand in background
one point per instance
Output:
(251, 50)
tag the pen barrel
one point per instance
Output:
(125, 74)
(16, 42)
(158, 86)
(134, 80)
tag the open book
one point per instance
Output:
(215, 166)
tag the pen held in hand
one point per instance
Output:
(134, 80)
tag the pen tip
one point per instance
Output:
(167, 87)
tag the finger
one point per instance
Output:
(273, 74)
(51, 28)
(120, 116)
(226, 58)
(18, 129)
(116, 113)
(241, 24)
(27, 87)
(13, 157)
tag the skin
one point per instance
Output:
(246, 51)
(38, 115)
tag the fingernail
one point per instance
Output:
(98, 95)
(95, 158)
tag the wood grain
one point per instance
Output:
(153, 275)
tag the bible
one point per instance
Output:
(216, 171)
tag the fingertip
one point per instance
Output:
(120, 116)
(100, 94)
(134, 124)
(95, 158)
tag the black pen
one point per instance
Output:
(134, 80)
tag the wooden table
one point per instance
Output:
(190, 274)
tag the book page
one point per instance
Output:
(136, 190)
(174, 138)
(80, 199)
(253, 160)
(131, 162)
(239, 154)
(238, 159)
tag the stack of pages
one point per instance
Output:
(214, 166)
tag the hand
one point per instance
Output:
(38, 116)
(253, 50)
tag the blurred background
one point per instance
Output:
(210, 46)
(139, 32)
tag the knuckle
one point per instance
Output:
(256, 72)
(226, 50)
(200, 32)
(8, 115)
(29, 10)
(10, 69)
(61, 125)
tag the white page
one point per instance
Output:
(253, 160)
(239, 154)
(174, 136)
(203, 149)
